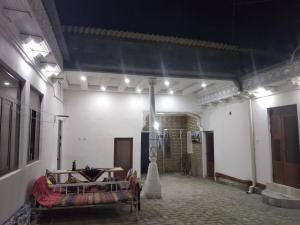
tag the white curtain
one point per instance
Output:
(189, 144)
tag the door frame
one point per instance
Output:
(131, 148)
(282, 153)
(206, 164)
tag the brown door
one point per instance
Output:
(210, 154)
(285, 145)
(123, 156)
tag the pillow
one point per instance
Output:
(48, 182)
(51, 178)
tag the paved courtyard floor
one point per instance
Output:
(186, 200)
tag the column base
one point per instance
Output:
(152, 187)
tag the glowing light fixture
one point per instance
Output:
(204, 85)
(156, 125)
(35, 46)
(167, 83)
(6, 83)
(296, 81)
(171, 92)
(261, 92)
(127, 81)
(138, 90)
(50, 69)
(83, 78)
(103, 88)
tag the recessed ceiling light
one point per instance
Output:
(138, 90)
(171, 92)
(6, 83)
(83, 78)
(167, 83)
(103, 88)
(204, 85)
(127, 81)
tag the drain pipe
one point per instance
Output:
(252, 149)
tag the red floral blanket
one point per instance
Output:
(43, 194)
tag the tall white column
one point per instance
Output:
(152, 187)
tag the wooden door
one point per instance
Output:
(285, 145)
(210, 154)
(123, 156)
(144, 152)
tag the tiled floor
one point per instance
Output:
(186, 200)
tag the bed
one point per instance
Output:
(85, 194)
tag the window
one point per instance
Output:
(34, 125)
(9, 122)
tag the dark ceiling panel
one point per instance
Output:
(206, 20)
(270, 27)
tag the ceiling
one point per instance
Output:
(141, 41)
(116, 83)
(157, 38)
(248, 23)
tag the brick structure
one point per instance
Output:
(174, 162)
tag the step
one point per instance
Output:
(281, 196)
(283, 189)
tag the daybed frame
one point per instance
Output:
(81, 188)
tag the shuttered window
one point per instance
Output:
(34, 125)
(10, 88)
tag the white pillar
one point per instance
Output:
(152, 187)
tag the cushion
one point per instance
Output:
(49, 182)
(94, 198)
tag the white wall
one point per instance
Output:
(15, 187)
(96, 118)
(262, 133)
(231, 138)
(232, 146)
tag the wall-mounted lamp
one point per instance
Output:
(34, 46)
(50, 69)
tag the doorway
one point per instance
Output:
(144, 152)
(210, 158)
(285, 145)
(123, 156)
(59, 144)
